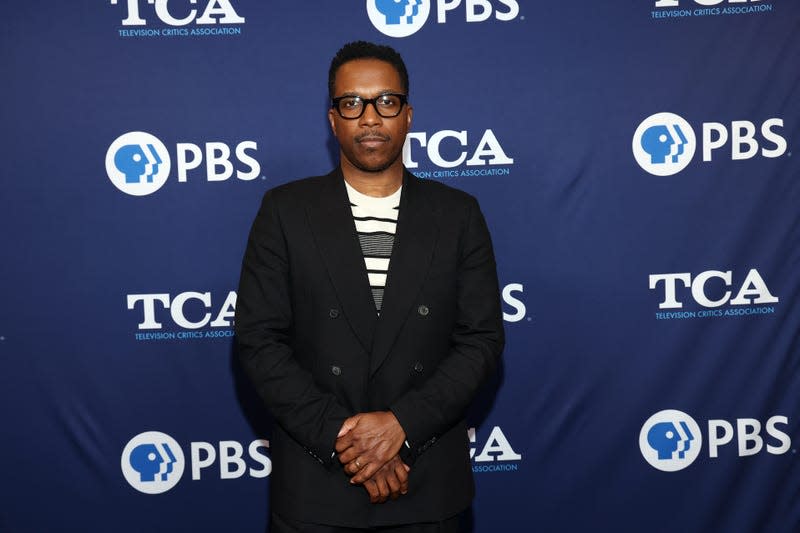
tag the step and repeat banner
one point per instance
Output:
(635, 163)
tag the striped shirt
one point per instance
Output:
(376, 222)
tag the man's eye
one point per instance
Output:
(387, 101)
(351, 103)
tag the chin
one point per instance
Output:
(373, 165)
(371, 162)
(376, 167)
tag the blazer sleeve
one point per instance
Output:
(263, 323)
(476, 343)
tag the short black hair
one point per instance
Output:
(367, 50)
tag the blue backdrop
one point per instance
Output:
(634, 163)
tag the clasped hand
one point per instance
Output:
(367, 445)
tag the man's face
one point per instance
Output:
(371, 142)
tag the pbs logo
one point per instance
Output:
(664, 144)
(398, 18)
(152, 462)
(670, 440)
(137, 163)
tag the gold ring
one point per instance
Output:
(358, 465)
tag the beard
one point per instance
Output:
(369, 159)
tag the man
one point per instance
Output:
(368, 315)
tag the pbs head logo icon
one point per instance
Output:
(137, 163)
(664, 144)
(670, 440)
(398, 18)
(152, 462)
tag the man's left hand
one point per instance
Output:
(367, 441)
(391, 481)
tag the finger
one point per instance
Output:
(394, 484)
(352, 468)
(383, 489)
(348, 424)
(402, 476)
(400, 472)
(343, 443)
(367, 471)
(350, 455)
(372, 489)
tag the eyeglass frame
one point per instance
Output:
(366, 101)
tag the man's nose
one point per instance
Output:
(370, 117)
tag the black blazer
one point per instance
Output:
(317, 352)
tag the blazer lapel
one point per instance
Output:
(331, 222)
(412, 252)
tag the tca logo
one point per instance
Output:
(665, 143)
(495, 448)
(676, 3)
(153, 462)
(194, 310)
(215, 12)
(450, 148)
(138, 163)
(671, 440)
(753, 290)
(401, 18)
(197, 305)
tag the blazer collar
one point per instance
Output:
(414, 243)
(334, 230)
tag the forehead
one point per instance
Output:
(367, 77)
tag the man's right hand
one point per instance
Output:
(366, 442)
(390, 481)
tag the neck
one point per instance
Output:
(378, 184)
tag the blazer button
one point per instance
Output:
(418, 367)
(423, 310)
(333, 313)
(336, 371)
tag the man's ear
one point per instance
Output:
(332, 121)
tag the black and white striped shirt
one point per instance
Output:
(376, 222)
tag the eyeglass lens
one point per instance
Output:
(387, 105)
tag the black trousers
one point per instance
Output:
(279, 524)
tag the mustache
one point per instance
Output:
(371, 135)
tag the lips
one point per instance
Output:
(371, 140)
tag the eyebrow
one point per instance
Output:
(381, 92)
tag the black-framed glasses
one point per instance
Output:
(387, 105)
